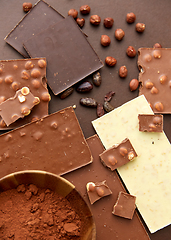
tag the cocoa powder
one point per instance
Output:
(31, 213)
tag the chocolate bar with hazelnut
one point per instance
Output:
(97, 190)
(150, 122)
(155, 78)
(18, 106)
(19, 73)
(118, 155)
(125, 205)
(69, 55)
(54, 143)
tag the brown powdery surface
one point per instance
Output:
(31, 213)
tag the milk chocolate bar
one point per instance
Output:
(155, 78)
(125, 205)
(18, 106)
(54, 143)
(40, 17)
(69, 55)
(118, 155)
(150, 122)
(108, 226)
(16, 74)
(97, 190)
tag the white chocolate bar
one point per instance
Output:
(148, 177)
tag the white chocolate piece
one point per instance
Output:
(148, 177)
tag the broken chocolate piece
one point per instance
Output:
(54, 143)
(125, 205)
(41, 16)
(97, 190)
(64, 47)
(19, 106)
(29, 73)
(150, 122)
(118, 155)
(155, 78)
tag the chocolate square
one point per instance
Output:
(70, 57)
(150, 122)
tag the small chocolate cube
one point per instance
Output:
(150, 122)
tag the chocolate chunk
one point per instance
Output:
(97, 190)
(18, 106)
(118, 155)
(107, 225)
(54, 143)
(41, 16)
(21, 73)
(125, 205)
(150, 123)
(155, 78)
(69, 55)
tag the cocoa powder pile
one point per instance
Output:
(31, 213)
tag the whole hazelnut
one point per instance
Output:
(133, 85)
(140, 27)
(108, 22)
(119, 34)
(123, 71)
(110, 61)
(105, 40)
(131, 52)
(72, 12)
(130, 17)
(95, 20)
(80, 22)
(27, 6)
(85, 9)
(157, 45)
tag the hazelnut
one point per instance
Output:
(157, 54)
(46, 97)
(25, 111)
(80, 22)
(2, 99)
(27, 6)
(154, 90)
(36, 100)
(9, 79)
(15, 86)
(140, 27)
(35, 83)
(158, 106)
(110, 61)
(119, 34)
(149, 85)
(131, 52)
(157, 45)
(35, 73)
(2, 124)
(163, 79)
(133, 85)
(42, 63)
(112, 160)
(131, 155)
(148, 57)
(21, 99)
(108, 22)
(29, 65)
(100, 191)
(157, 120)
(95, 20)
(105, 40)
(123, 151)
(123, 71)
(72, 12)
(130, 17)
(90, 187)
(25, 91)
(85, 9)
(25, 75)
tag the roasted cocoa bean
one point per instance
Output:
(107, 106)
(109, 96)
(97, 79)
(88, 102)
(100, 110)
(66, 93)
(85, 87)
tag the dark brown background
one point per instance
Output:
(155, 14)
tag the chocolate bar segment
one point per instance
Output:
(54, 143)
(40, 17)
(19, 73)
(97, 190)
(155, 78)
(125, 205)
(19, 106)
(150, 122)
(118, 155)
(107, 225)
(69, 55)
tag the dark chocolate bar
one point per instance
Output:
(69, 55)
